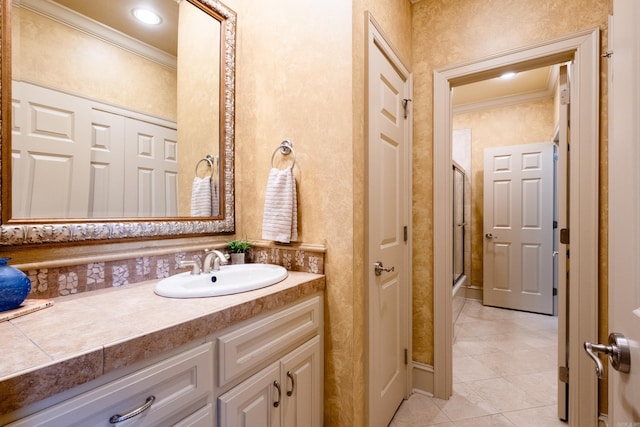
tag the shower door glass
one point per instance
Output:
(458, 224)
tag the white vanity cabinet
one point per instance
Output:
(264, 371)
(286, 350)
(181, 387)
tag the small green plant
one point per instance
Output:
(238, 246)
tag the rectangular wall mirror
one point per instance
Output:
(107, 121)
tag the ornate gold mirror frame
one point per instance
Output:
(28, 232)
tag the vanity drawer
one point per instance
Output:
(182, 386)
(251, 346)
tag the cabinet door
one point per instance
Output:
(201, 418)
(254, 402)
(302, 379)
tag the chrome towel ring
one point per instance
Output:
(210, 161)
(285, 149)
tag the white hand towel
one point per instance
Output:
(215, 198)
(280, 220)
(201, 196)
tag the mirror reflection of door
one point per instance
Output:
(68, 48)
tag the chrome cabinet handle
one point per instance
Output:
(490, 236)
(618, 351)
(115, 419)
(293, 383)
(379, 268)
(276, 402)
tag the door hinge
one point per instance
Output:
(405, 103)
(565, 96)
(563, 374)
(564, 236)
(555, 292)
(405, 233)
(555, 224)
(406, 356)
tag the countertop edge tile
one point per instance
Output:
(56, 377)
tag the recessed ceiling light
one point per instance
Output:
(508, 75)
(146, 16)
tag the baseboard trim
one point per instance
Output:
(473, 292)
(422, 377)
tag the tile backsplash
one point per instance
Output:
(61, 281)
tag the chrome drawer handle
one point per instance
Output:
(115, 419)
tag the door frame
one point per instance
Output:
(583, 49)
(375, 36)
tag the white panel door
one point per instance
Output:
(51, 153)
(518, 227)
(388, 190)
(624, 207)
(151, 170)
(560, 260)
(106, 198)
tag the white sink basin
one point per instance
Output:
(231, 279)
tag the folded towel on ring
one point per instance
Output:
(280, 219)
(201, 196)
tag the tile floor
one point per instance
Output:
(504, 373)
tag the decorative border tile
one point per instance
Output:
(70, 280)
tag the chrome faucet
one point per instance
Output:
(218, 259)
(194, 264)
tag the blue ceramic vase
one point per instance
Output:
(14, 286)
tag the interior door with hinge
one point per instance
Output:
(561, 247)
(387, 249)
(624, 216)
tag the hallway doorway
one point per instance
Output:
(514, 199)
(581, 49)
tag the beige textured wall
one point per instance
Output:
(49, 51)
(447, 32)
(294, 82)
(523, 123)
(198, 97)
(300, 76)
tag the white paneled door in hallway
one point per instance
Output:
(387, 259)
(518, 227)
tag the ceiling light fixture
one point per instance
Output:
(508, 75)
(146, 16)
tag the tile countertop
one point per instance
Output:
(85, 336)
